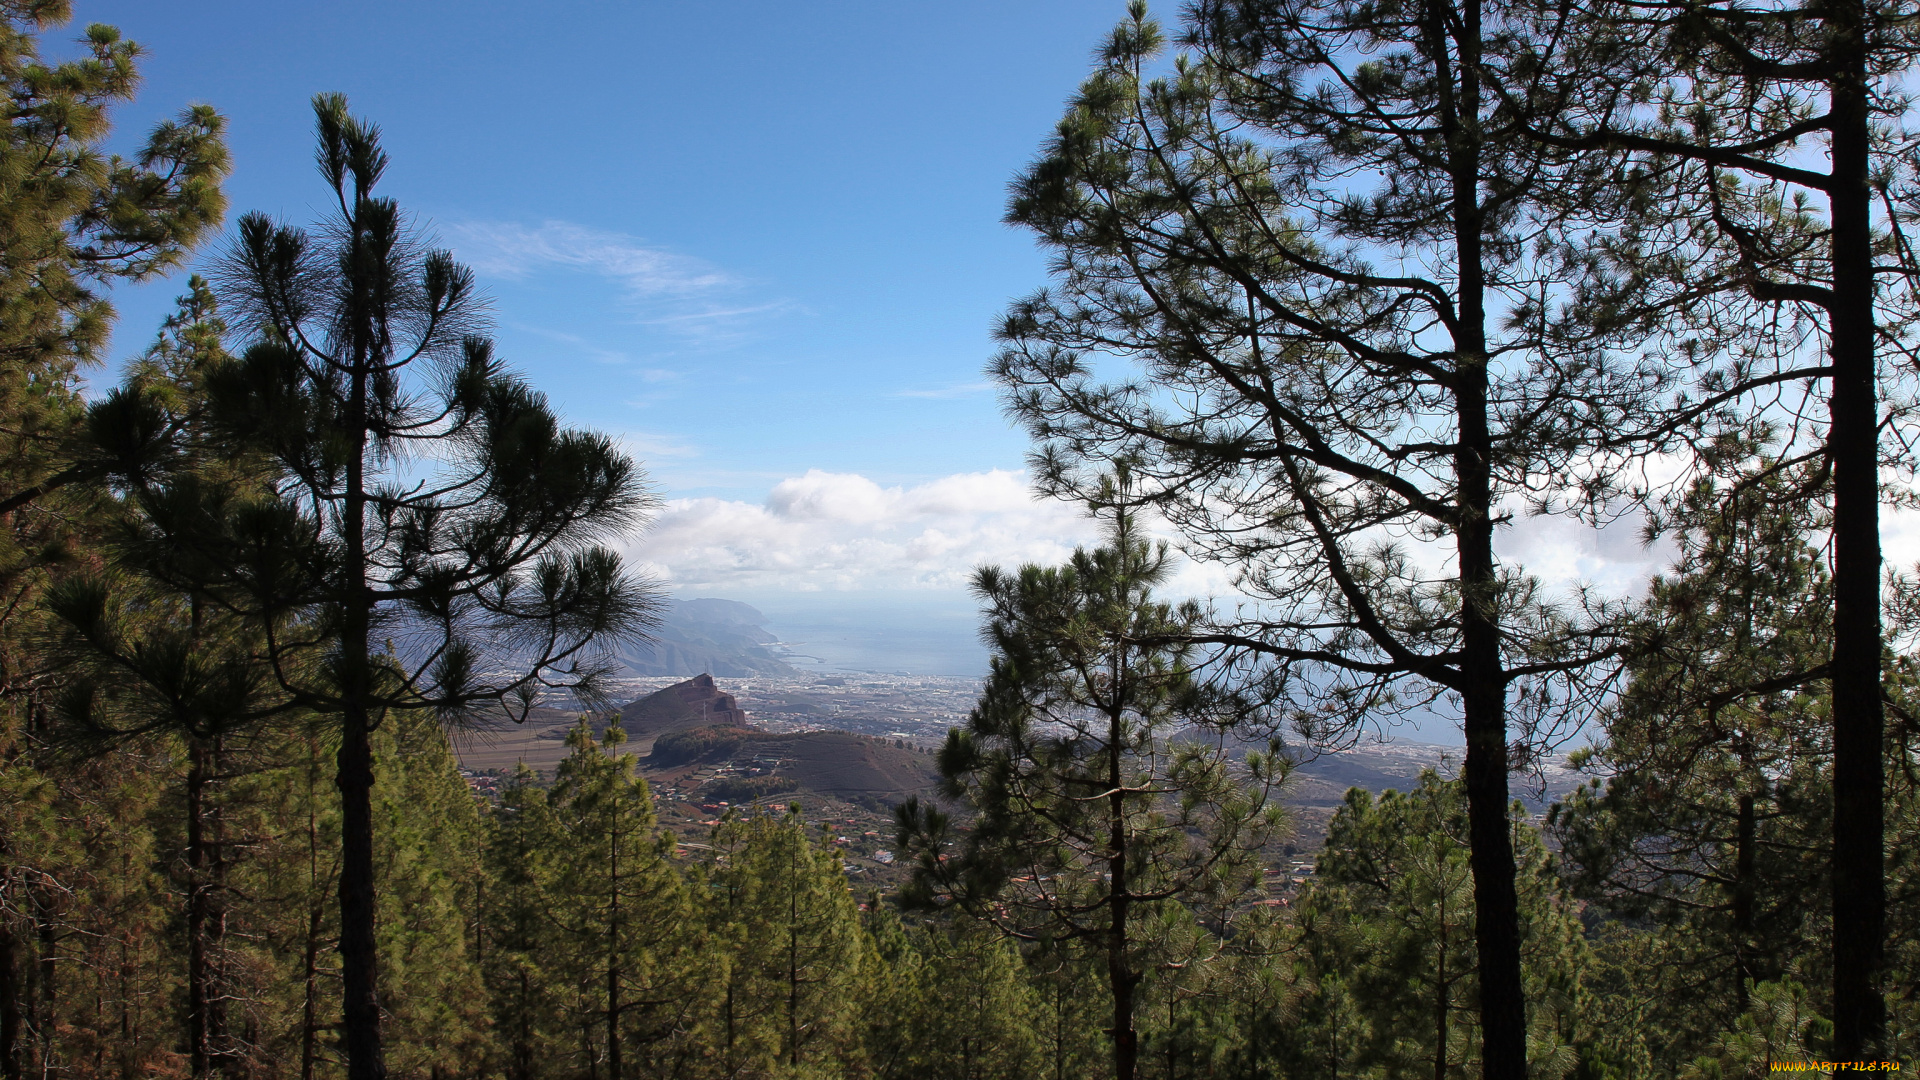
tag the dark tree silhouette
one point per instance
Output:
(1342, 265)
(1730, 110)
(429, 540)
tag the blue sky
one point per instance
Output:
(759, 242)
(760, 238)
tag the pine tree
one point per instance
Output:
(896, 994)
(1719, 746)
(1073, 1008)
(1390, 913)
(1223, 987)
(622, 911)
(1088, 764)
(1340, 261)
(1254, 1003)
(947, 1003)
(1743, 120)
(118, 972)
(976, 983)
(350, 552)
(292, 879)
(1710, 816)
(73, 220)
(519, 946)
(1399, 880)
(148, 659)
(76, 217)
(795, 948)
(427, 850)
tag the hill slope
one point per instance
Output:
(841, 764)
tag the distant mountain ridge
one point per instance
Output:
(706, 636)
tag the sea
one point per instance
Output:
(884, 635)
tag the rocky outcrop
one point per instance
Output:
(694, 703)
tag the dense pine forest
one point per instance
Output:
(1340, 290)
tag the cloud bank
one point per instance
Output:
(842, 531)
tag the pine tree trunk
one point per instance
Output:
(1496, 917)
(1120, 976)
(613, 944)
(202, 1023)
(1440, 1003)
(1482, 682)
(46, 1007)
(129, 1031)
(586, 1033)
(223, 1055)
(359, 957)
(1743, 885)
(793, 963)
(310, 1004)
(9, 1003)
(1060, 1029)
(1126, 1041)
(522, 1067)
(316, 915)
(1859, 886)
(360, 1012)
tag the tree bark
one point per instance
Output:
(1496, 916)
(208, 1052)
(129, 1029)
(197, 981)
(1121, 979)
(316, 915)
(9, 1003)
(1482, 680)
(1743, 885)
(613, 944)
(359, 962)
(1859, 883)
(45, 1012)
(1440, 1002)
(359, 957)
(522, 1059)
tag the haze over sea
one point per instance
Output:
(937, 634)
(907, 636)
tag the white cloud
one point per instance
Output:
(843, 531)
(1900, 538)
(664, 290)
(642, 446)
(1565, 553)
(512, 250)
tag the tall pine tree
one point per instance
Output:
(626, 941)
(380, 587)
